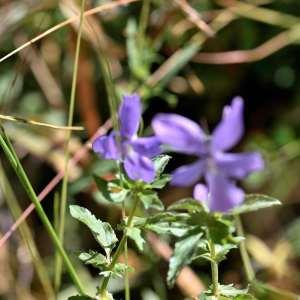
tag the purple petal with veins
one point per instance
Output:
(231, 128)
(180, 133)
(129, 115)
(223, 193)
(139, 167)
(239, 165)
(188, 174)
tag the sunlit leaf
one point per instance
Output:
(255, 202)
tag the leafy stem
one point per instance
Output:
(121, 246)
(214, 266)
(244, 254)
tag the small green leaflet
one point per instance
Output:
(102, 231)
(183, 255)
(118, 270)
(188, 204)
(93, 258)
(160, 163)
(136, 235)
(79, 297)
(230, 291)
(255, 202)
(111, 190)
(150, 199)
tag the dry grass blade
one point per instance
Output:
(41, 72)
(260, 14)
(36, 123)
(246, 56)
(195, 17)
(98, 9)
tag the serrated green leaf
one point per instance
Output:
(230, 291)
(136, 235)
(219, 227)
(223, 250)
(162, 228)
(255, 202)
(160, 182)
(189, 204)
(150, 199)
(93, 258)
(160, 163)
(111, 190)
(102, 231)
(183, 254)
(118, 270)
(80, 297)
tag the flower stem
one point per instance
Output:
(64, 191)
(244, 254)
(214, 266)
(143, 22)
(102, 291)
(214, 272)
(18, 168)
(127, 287)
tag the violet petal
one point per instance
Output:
(139, 167)
(107, 147)
(188, 174)
(231, 128)
(148, 146)
(200, 193)
(129, 115)
(178, 132)
(223, 193)
(239, 165)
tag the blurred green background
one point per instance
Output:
(159, 49)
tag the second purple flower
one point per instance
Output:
(218, 167)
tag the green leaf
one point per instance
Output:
(169, 223)
(183, 254)
(230, 291)
(219, 227)
(160, 182)
(118, 270)
(111, 190)
(188, 204)
(160, 163)
(162, 228)
(102, 231)
(93, 258)
(150, 199)
(223, 250)
(80, 297)
(255, 202)
(135, 234)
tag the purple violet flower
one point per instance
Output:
(219, 168)
(126, 146)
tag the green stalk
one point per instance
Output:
(250, 275)
(214, 269)
(64, 190)
(26, 234)
(17, 166)
(126, 280)
(143, 22)
(103, 288)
